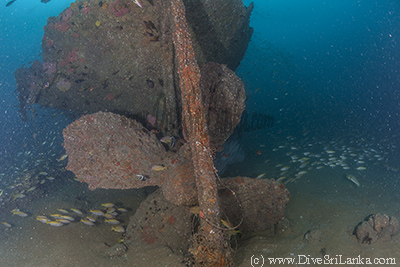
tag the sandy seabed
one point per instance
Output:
(333, 206)
(323, 201)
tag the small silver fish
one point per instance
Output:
(77, 211)
(122, 210)
(55, 223)
(17, 196)
(62, 158)
(353, 179)
(112, 221)
(97, 212)
(87, 222)
(119, 229)
(66, 217)
(137, 2)
(63, 211)
(6, 224)
(261, 176)
(20, 213)
(63, 221)
(31, 189)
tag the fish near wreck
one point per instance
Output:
(10, 3)
(158, 168)
(353, 179)
(168, 140)
(137, 2)
(118, 229)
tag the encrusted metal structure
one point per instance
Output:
(151, 76)
(210, 244)
(116, 56)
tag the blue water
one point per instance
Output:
(327, 71)
(326, 64)
(20, 42)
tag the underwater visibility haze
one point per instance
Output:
(323, 76)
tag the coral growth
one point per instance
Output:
(46, 40)
(67, 14)
(119, 9)
(49, 68)
(111, 151)
(148, 235)
(107, 150)
(63, 85)
(71, 57)
(131, 57)
(61, 26)
(85, 10)
(377, 228)
(49, 43)
(157, 220)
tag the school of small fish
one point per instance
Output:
(354, 157)
(27, 172)
(109, 213)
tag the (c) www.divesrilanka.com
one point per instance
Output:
(326, 260)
